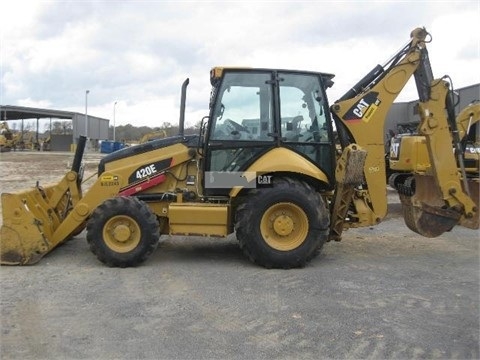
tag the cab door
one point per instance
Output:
(305, 123)
(241, 128)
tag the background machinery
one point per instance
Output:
(265, 166)
(7, 140)
(159, 134)
(408, 150)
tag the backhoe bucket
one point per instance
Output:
(426, 213)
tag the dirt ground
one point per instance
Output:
(381, 293)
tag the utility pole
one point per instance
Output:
(86, 115)
(114, 105)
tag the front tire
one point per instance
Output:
(123, 232)
(284, 226)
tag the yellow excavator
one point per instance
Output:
(265, 165)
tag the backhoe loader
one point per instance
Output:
(264, 166)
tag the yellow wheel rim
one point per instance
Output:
(121, 234)
(284, 226)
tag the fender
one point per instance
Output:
(281, 160)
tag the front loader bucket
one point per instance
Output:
(22, 238)
(30, 219)
(33, 220)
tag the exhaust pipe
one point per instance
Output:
(181, 124)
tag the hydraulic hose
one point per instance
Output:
(77, 160)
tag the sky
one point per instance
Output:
(138, 53)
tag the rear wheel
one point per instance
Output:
(284, 226)
(123, 231)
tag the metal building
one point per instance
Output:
(97, 127)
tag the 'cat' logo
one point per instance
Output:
(364, 108)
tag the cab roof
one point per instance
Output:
(217, 72)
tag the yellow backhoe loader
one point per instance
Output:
(265, 166)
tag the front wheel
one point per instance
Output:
(284, 226)
(123, 232)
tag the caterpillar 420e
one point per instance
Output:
(265, 165)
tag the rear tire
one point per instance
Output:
(284, 226)
(123, 232)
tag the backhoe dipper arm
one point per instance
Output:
(455, 197)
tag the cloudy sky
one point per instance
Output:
(137, 53)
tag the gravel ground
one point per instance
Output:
(381, 292)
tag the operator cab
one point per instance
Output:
(255, 110)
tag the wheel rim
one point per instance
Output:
(121, 234)
(284, 226)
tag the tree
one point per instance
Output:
(59, 127)
(132, 134)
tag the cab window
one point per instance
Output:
(243, 110)
(302, 109)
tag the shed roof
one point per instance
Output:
(9, 112)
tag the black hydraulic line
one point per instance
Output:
(424, 76)
(365, 81)
(156, 197)
(77, 160)
(375, 73)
